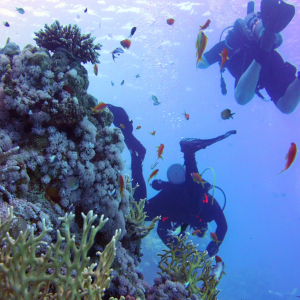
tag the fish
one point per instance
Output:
(170, 21)
(156, 102)
(153, 174)
(217, 269)
(205, 25)
(186, 284)
(116, 51)
(201, 43)
(6, 24)
(164, 219)
(187, 116)
(71, 183)
(122, 82)
(154, 165)
(111, 193)
(175, 232)
(68, 89)
(226, 114)
(195, 232)
(7, 40)
(160, 151)
(214, 238)
(224, 56)
(290, 157)
(85, 10)
(138, 127)
(198, 178)
(99, 107)
(53, 159)
(121, 184)
(153, 132)
(112, 84)
(126, 43)
(137, 76)
(96, 69)
(133, 30)
(122, 126)
(20, 10)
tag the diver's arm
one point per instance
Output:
(245, 89)
(203, 63)
(288, 103)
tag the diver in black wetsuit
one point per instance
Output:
(187, 203)
(253, 60)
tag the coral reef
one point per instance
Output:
(62, 273)
(70, 38)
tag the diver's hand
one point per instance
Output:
(212, 248)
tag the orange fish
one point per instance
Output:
(290, 157)
(214, 237)
(68, 89)
(126, 43)
(122, 125)
(121, 184)
(198, 178)
(153, 132)
(195, 232)
(96, 69)
(170, 21)
(165, 218)
(224, 56)
(99, 107)
(160, 151)
(154, 173)
(139, 127)
(201, 43)
(187, 116)
(205, 25)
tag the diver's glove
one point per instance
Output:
(212, 248)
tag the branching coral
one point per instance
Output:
(183, 262)
(70, 38)
(61, 273)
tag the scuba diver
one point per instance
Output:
(253, 60)
(181, 202)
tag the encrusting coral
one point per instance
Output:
(61, 273)
(70, 38)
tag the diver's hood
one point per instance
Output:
(176, 174)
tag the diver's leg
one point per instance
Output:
(288, 103)
(137, 150)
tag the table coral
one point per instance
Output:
(70, 38)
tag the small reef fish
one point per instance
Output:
(85, 10)
(122, 126)
(153, 132)
(224, 56)
(170, 21)
(290, 157)
(175, 232)
(153, 174)
(186, 284)
(137, 76)
(214, 237)
(112, 84)
(201, 43)
(122, 82)
(138, 127)
(53, 159)
(198, 178)
(111, 193)
(116, 51)
(99, 107)
(121, 184)
(154, 165)
(195, 232)
(205, 25)
(126, 43)
(187, 116)
(226, 114)
(71, 183)
(133, 30)
(7, 40)
(20, 10)
(165, 219)
(217, 269)
(96, 69)
(6, 24)
(68, 89)
(156, 102)
(160, 151)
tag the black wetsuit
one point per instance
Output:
(275, 76)
(184, 204)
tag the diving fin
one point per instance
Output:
(276, 15)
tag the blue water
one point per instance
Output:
(261, 248)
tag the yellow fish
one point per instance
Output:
(201, 43)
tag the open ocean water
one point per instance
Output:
(262, 244)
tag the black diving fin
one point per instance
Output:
(276, 15)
